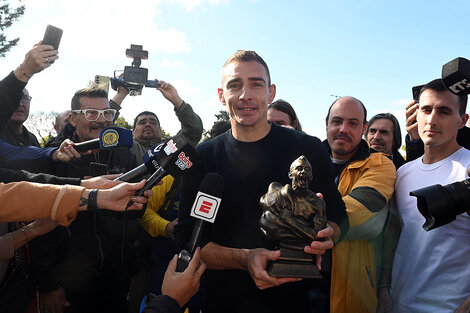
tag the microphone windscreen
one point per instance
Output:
(175, 155)
(115, 137)
(212, 184)
(456, 76)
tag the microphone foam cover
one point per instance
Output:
(115, 137)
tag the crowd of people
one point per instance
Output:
(74, 239)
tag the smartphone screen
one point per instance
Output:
(52, 36)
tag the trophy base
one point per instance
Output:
(294, 263)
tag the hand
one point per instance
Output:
(256, 264)
(319, 247)
(121, 94)
(169, 229)
(52, 302)
(170, 93)
(35, 59)
(101, 182)
(66, 152)
(182, 286)
(411, 123)
(117, 198)
(385, 301)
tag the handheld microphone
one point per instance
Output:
(456, 76)
(205, 208)
(172, 156)
(110, 138)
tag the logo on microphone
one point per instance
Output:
(110, 138)
(205, 207)
(170, 147)
(183, 161)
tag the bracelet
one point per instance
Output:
(92, 200)
(23, 72)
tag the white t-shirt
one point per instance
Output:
(431, 270)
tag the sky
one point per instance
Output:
(316, 50)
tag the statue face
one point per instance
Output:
(301, 173)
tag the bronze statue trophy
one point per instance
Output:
(292, 215)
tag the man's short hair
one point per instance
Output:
(438, 86)
(362, 104)
(285, 107)
(92, 91)
(248, 56)
(396, 127)
(145, 113)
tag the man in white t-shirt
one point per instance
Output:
(431, 270)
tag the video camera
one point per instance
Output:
(134, 77)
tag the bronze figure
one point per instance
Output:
(292, 216)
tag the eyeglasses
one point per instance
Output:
(26, 98)
(93, 115)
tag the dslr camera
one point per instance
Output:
(134, 77)
(441, 204)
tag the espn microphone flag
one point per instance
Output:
(208, 198)
(205, 208)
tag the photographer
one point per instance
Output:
(424, 261)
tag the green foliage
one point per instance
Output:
(121, 122)
(164, 134)
(222, 116)
(7, 17)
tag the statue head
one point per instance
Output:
(300, 173)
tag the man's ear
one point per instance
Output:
(464, 119)
(364, 129)
(289, 175)
(220, 91)
(272, 93)
(72, 118)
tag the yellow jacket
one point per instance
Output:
(366, 186)
(151, 221)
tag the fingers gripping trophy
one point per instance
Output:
(292, 216)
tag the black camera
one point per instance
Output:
(134, 77)
(441, 204)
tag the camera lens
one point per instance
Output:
(441, 204)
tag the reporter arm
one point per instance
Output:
(191, 124)
(18, 238)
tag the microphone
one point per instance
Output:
(170, 157)
(456, 76)
(110, 138)
(205, 208)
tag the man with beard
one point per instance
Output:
(366, 182)
(384, 135)
(86, 266)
